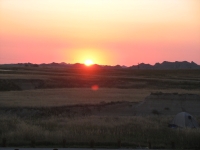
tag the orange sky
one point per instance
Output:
(111, 32)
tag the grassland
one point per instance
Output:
(30, 88)
(45, 78)
(105, 131)
(73, 96)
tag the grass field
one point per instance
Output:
(45, 78)
(44, 88)
(105, 131)
(72, 96)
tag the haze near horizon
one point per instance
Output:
(108, 32)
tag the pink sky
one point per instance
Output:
(106, 31)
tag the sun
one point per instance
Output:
(88, 62)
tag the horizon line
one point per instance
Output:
(100, 64)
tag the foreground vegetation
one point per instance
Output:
(105, 131)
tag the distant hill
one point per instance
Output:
(158, 66)
(168, 65)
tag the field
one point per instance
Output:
(78, 107)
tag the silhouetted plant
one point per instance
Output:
(155, 112)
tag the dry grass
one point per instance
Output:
(133, 130)
(106, 129)
(107, 78)
(71, 96)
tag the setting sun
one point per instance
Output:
(108, 32)
(88, 62)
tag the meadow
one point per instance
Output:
(132, 132)
(34, 88)
(73, 96)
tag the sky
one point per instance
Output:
(109, 32)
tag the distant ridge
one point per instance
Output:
(165, 65)
(168, 65)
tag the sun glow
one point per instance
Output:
(88, 62)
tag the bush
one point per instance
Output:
(155, 112)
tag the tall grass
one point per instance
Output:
(133, 130)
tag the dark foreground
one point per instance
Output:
(72, 149)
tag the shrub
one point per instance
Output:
(155, 112)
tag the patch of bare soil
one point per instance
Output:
(169, 104)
